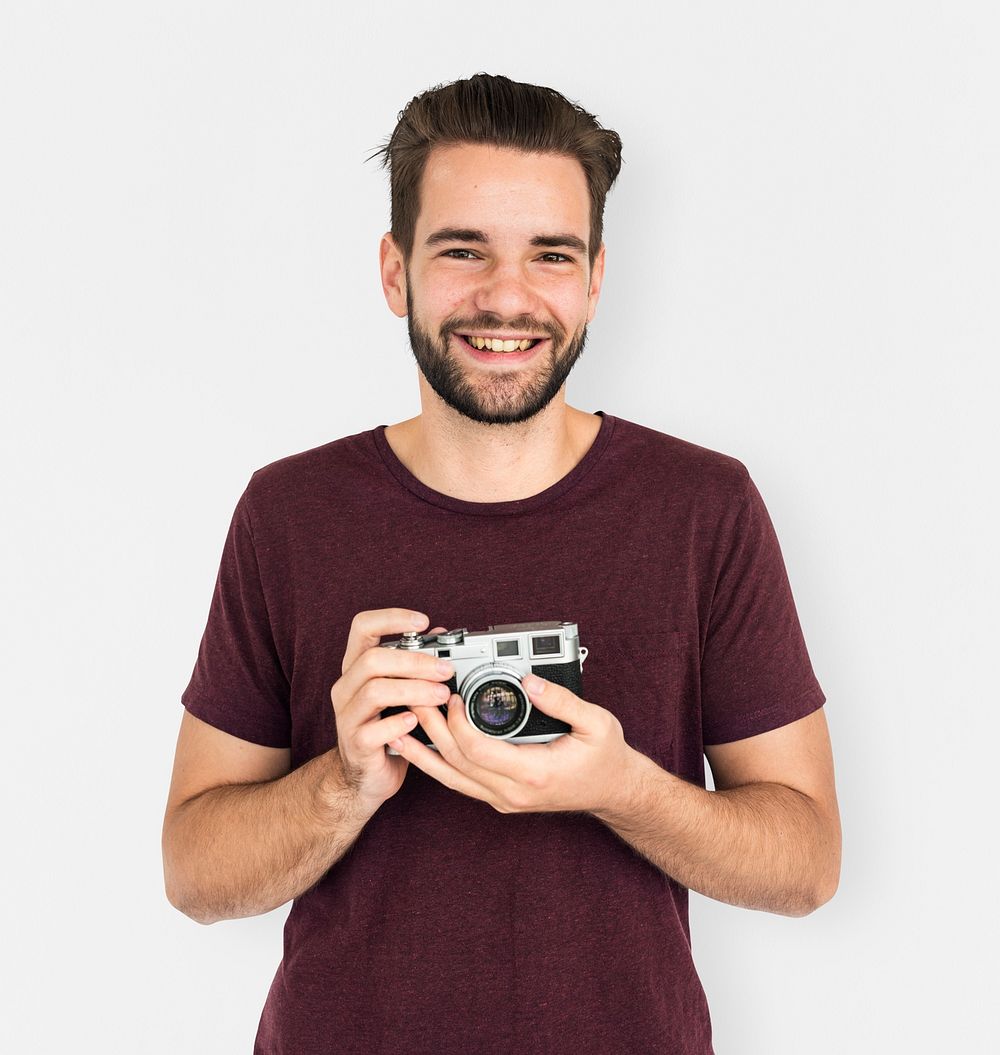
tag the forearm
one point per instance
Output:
(244, 849)
(761, 846)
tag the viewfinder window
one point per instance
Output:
(550, 645)
(508, 648)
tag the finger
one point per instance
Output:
(558, 702)
(493, 763)
(368, 627)
(389, 664)
(378, 694)
(440, 769)
(373, 736)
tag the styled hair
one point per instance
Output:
(494, 109)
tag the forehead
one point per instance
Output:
(484, 186)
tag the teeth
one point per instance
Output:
(495, 345)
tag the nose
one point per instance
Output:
(506, 292)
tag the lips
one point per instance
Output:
(510, 358)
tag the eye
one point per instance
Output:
(448, 252)
(562, 256)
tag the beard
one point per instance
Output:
(493, 397)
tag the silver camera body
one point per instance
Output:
(489, 666)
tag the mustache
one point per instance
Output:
(523, 324)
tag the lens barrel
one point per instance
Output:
(498, 706)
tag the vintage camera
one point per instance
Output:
(489, 665)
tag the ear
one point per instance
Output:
(390, 258)
(596, 278)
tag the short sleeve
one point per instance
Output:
(755, 672)
(238, 684)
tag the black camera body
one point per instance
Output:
(489, 666)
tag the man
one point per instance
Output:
(486, 896)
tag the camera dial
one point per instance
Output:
(452, 637)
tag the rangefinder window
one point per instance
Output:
(508, 648)
(546, 646)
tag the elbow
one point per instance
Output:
(805, 900)
(193, 913)
(805, 903)
(187, 907)
(180, 896)
(827, 868)
(205, 921)
(827, 890)
(830, 880)
(818, 895)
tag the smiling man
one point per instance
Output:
(515, 198)
(455, 891)
(522, 274)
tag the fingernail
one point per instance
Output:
(533, 684)
(418, 619)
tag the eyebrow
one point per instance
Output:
(468, 234)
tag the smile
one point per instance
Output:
(501, 343)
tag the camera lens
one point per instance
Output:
(497, 707)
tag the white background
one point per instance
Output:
(801, 272)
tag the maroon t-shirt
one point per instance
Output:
(449, 927)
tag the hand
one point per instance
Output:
(587, 769)
(375, 678)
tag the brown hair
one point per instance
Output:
(494, 109)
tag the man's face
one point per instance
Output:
(500, 251)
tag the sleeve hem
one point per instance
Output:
(208, 712)
(768, 718)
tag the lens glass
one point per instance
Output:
(497, 707)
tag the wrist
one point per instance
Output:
(340, 803)
(630, 790)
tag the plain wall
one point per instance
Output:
(801, 273)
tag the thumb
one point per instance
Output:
(557, 702)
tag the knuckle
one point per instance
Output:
(447, 752)
(382, 692)
(474, 753)
(517, 801)
(367, 660)
(534, 780)
(370, 693)
(426, 669)
(338, 697)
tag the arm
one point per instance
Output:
(768, 838)
(243, 835)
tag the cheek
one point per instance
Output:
(569, 299)
(574, 315)
(454, 299)
(454, 303)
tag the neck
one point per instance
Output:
(473, 462)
